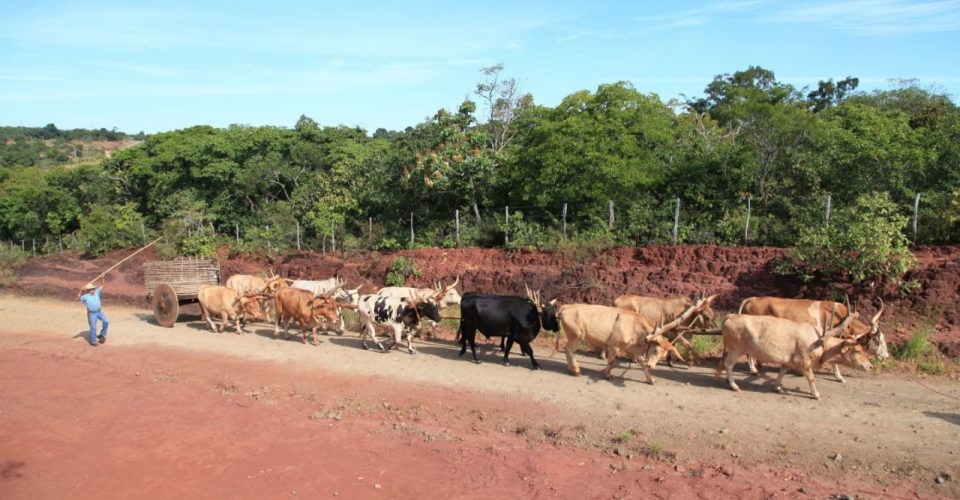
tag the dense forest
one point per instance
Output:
(613, 165)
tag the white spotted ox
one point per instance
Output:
(657, 309)
(216, 300)
(821, 314)
(399, 314)
(620, 332)
(301, 305)
(442, 296)
(794, 345)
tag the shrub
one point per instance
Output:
(11, 260)
(400, 269)
(864, 242)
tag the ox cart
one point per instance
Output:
(173, 283)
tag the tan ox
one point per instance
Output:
(619, 331)
(221, 301)
(301, 305)
(821, 314)
(656, 309)
(794, 345)
(247, 284)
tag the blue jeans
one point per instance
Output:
(93, 317)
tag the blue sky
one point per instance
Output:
(156, 66)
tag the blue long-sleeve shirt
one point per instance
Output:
(91, 300)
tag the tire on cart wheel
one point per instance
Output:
(166, 305)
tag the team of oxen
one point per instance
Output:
(798, 334)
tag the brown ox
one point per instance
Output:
(656, 309)
(301, 305)
(619, 331)
(795, 345)
(228, 304)
(822, 315)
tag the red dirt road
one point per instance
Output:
(160, 413)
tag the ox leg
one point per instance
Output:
(506, 351)
(836, 373)
(612, 355)
(224, 322)
(572, 366)
(316, 341)
(810, 378)
(723, 358)
(729, 360)
(410, 341)
(240, 325)
(783, 371)
(752, 365)
(206, 316)
(526, 349)
(469, 335)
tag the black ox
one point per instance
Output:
(517, 319)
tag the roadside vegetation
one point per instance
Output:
(608, 166)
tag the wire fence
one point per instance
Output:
(509, 226)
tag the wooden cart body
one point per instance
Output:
(173, 283)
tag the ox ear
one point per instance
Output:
(553, 302)
(455, 282)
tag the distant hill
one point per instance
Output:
(49, 146)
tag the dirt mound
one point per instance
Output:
(570, 276)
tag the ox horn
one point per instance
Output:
(875, 320)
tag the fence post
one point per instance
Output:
(60, 237)
(746, 231)
(298, 236)
(916, 214)
(412, 236)
(333, 239)
(143, 233)
(457, 217)
(564, 220)
(826, 213)
(323, 240)
(506, 225)
(236, 229)
(610, 207)
(23, 248)
(369, 227)
(676, 221)
(33, 246)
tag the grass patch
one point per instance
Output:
(917, 346)
(932, 367)
(707, 346)
(626, 437)
(653, 449)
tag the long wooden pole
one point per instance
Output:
(126, 259)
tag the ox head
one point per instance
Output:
(348, 295)
(547, 312)
(703, 311)
(658, 347)
(251, 306)
(273, 283)
(324, 307)
(854, 354)
(447, 295)
(872, 338)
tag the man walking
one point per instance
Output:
(90, 297)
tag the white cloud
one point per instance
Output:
(876, 17)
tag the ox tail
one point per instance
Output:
(744, 304)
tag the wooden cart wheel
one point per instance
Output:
(166, 306)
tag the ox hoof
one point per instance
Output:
(364, 346)
(536, 367)
(411, 351)
(505, 363)
(477, 361)
(779, 389)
